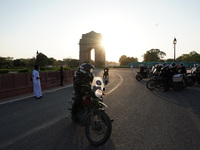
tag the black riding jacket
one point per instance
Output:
(82, 82)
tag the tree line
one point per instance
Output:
(157, 55)
(43, 61)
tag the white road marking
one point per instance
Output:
(121, 81)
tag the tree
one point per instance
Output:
(194, 56)
(184, 57)
(31, 62)
(2, 62)
(51, 61)
(20, 62)
(170, 60)
(71, 62)
(6, 62)
(191, 57)
(112, 63)
(41, 60)
(124, 60)
(16, 62)
(153, 55)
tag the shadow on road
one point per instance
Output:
(188, 98)
(73, 138)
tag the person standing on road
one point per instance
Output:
(36, 83)
(61, 76)
(131, 68)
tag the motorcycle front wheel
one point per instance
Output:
(151, 84)
(98, 128)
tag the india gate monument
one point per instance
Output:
(89, 41)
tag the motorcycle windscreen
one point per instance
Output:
(97, 83)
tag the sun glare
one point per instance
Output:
(118, 37)
(119, 44)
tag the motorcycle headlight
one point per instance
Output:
(98, 93)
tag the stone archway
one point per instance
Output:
(89, 41)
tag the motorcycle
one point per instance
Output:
(139, 76)
(144, 73)
(91, 114)
(177, 83)
(105, 77)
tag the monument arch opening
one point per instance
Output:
(91, 48)
(92, 55)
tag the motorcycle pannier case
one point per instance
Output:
(177, 78)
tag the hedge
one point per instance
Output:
(23, 70)
(3, 71)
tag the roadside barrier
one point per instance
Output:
(16, 84)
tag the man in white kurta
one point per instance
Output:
(36, 83)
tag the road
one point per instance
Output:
(143, 119)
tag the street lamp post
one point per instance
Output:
(174, 42)
(36, 60)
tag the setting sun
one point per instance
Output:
(119, 43)
(119, 36)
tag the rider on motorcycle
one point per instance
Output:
(174, 69)
(106, 72)
(182, 69)
(82, 82)
(165, 74)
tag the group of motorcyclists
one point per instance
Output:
(168, 72)
(84, 75)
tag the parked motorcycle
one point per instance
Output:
(139, 76)
(91, 114)
(177, 83)
(195, 73)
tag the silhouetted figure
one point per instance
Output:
(182, 69)
(61, 76)
(106, 72)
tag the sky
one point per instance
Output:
(128, 27)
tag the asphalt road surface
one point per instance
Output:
(143, 119)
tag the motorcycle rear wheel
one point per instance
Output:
(151, 84)
(98, 129)
(189, 81)
(138, 77)
(177, 86)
